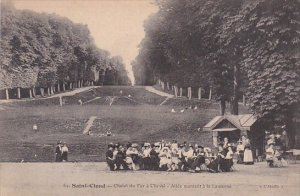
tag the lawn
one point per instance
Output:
(127, 120)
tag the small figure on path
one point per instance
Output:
(80, 102)
(35, 127)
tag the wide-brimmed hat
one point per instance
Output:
(134, 145)
(207, 149)
(147, 144)
(59, 142)
(165, 148)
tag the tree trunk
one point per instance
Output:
(34, 91)
(64, 86)
(92, 83)
(49, 91)
(234, 100)
(71, 85)
(175, 91)
(79, 84)
(60, 101)
(200, 93)
(19, 93)
(190, 93)
(244, 100)
(234, 106)
(180, 92)
(42, 92)
(222, 107)
(30, 93)
(210, 94)
(7, 94)
(58, 87)
(290, 129)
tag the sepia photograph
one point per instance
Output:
(149, 97)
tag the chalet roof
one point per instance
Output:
(242, 122)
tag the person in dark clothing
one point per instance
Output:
(199, 159)
(183, 166)
(221, 159)
(154, 159)
(109, 158)
(58, 152)
(120, 159)
(146, 157)
(213, 164)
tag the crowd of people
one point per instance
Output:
(170, 156)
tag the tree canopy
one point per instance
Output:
(44, 49)
(251, 44)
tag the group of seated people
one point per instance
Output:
(275, 151)
(171, 156)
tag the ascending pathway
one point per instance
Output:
(153, 90)
(89, 124)
(69, 93)
(73, 92)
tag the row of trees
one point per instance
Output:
(42, 50)
(234, 46)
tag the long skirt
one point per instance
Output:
(248, 157)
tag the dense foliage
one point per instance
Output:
(40, 50)
(233, 46)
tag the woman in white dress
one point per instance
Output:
(165, 159)
(248, 156)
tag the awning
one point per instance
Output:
(224, 129)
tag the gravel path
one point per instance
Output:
(68, 93)
(153, 90)
(94, 179)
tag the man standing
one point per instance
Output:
(58, 152)
(154, 159)
(109, 158)
(120, 158)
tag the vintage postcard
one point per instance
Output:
(149, 97)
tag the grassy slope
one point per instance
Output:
(131, 122)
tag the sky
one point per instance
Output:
(115, 25)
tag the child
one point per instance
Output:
(270, 155)
(165, 159)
